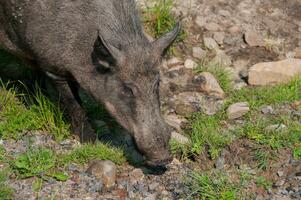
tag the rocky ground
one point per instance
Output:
(240, 35)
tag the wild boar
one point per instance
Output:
(99, 46)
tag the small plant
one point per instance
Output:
(262, 157)
(41, 114)
(179, 149)
(159, 19)
(88, 152)
(215, 186)
(207, 132)
(6, 192)
(39, 162)
(263, 182)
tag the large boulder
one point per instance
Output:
(270, 73)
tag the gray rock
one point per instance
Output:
(222, 58)
(266, 109)
(237, 110)
(212, 26)
(104, 170)
(136, 175)
(275, 127)
(179, 137)
(190, 64)
(175, 121)
(199, 53)
(219, 37)
(210, 85)
(269, 73)
(151, 197)
(254, 39)
(200, 21)
(153, 186)
(173, 62)
(210, 43)
(219, 163)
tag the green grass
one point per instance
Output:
(6, 192)
(206, 132)
(263, 182)
(270, 95)
(212, 186)
(39, 114)
(87, 152)
(218, 71)
(159, 19)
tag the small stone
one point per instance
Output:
(190, 64)
(136, 175)
(200, 21)
(222, 58)
(280, 173)
(279, 183)
(174, 62)
(151, 197)
(179, 137)
(175, 121)
(153, 186)
(266, 109)
(199, 53)
(234, 30)
(210, 43)
(239, 85)
(212, 26)
(219, 163)
(237, 110)
(105, 170)
(254, 39)
(210, 85)
(269, 73)
(298, 53)
(219, 37)
(275, 127)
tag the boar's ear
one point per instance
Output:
(115, 52)
(161, 44)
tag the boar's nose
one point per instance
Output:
(161, 161)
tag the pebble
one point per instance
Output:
(219, 37)
(237, 110)
(266, 109)
(254, 39)
(179, 137)
(190, 64)
(210, 43)
(199, 53)
(104, 170)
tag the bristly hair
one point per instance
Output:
(120, 23)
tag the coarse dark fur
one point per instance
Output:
(98, 45)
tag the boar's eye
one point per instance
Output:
(127, 91)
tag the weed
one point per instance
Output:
(41, 115)
(218, 71)
(262, 157)
(179, 149)
(34, 162)
(272, 95)
(6, 192)
(207, 131)
(88, 152)
(159, 19)
(214, 186)
(263, 182)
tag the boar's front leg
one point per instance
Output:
(70, 102)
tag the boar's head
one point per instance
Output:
(130, 90)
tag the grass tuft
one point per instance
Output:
(87, 152)
(41, 114)
(214, 186)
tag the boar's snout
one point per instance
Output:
(154, 143)
(162, 160)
